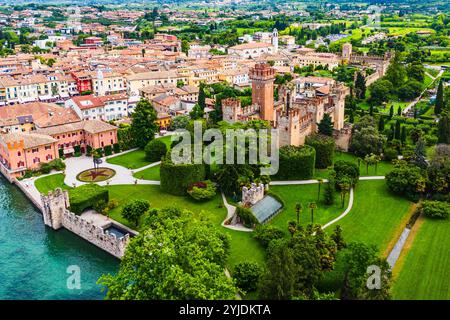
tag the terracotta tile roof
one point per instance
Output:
(30, 140)
(42, 114)
(90, 126)
(87, 102)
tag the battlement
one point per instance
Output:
(252, 195)
(262, 71)
(57, 215)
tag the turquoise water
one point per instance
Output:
(34, 258)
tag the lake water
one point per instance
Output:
(34, 259)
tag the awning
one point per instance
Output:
(64, 95)
(47, 97)
(68, 150)
(24, 100)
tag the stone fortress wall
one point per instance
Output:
(56, 215)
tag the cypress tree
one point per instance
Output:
(397, 130)
(360, 86)
(202, 97)
(443, 129)
(381, 124)
(399, 111)
(439, 99)
(391, 112)
(403, 135)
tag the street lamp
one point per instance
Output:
(298, 209)
(312, 206)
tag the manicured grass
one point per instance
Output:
(377, 215)
(151, 173)
(425, 273)
(49, 183)
(243, 246)
(131, 160)
(305, 194)
(383, 167)
(135, 159)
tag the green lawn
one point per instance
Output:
(49, 183)
(383, 167)
(135, 159)
(305, 194)
(243, 246)
(377, 216)
(425, 273)
(151, 173)
(131, 160)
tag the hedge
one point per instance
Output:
(87, 196)
(324, 146)
(108, 150)
(116, 148)
(176, 178)
(296, 163)
(246, 216)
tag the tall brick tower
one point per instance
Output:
(263, 76)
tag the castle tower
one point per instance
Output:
(289, 129)
(263, 76)
(231, 109)
(346, 52)
(54, 206)
(275, 40)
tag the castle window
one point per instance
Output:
(19, 154)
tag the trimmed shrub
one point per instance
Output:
(134, 209)
(265, 233)
(116, 148)
(155, 150)
(203, 190)
(77, 149)
(176, 178)
(324, 146)
(99, 151)
(61, 153)
(246, 216)
(247, 275)
(88, 150)
(57, 164)
(296, 163)
(87, 196)
(108, 150)
(435, 209)
(45, 168)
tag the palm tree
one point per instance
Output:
(319, 185)
(345, 187)
(298, 210)
(312, 206)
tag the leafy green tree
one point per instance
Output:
(196, 112)
(278, 282)
(143, 125)
(357, 257)
(326, 125)
(329, 191)
(133, 210)
(247, 275)
(416, 71)
(175, 256)
(396, 72)
(406, 180)
(367, 140)
(179, 122)
(380, 91)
